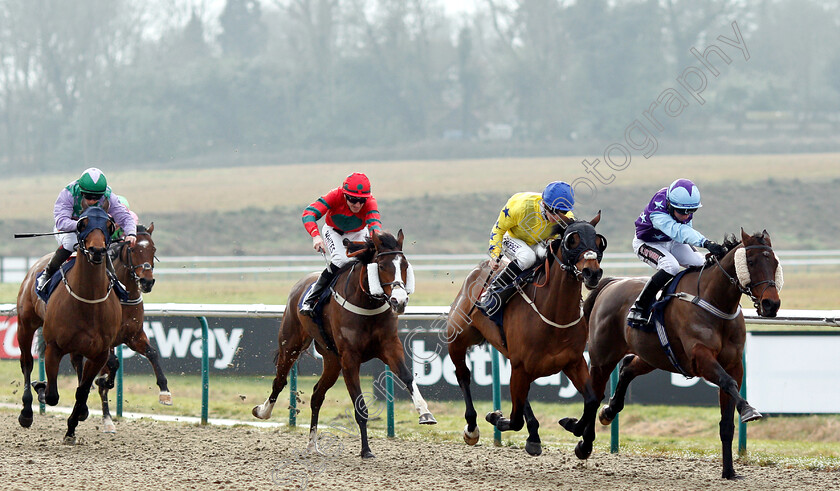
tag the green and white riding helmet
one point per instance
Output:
(93, 181)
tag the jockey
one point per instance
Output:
(351, 213)
(118, 233)
(525, 223)
(91, 189)
(664, 240)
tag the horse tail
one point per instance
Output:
(590, 300)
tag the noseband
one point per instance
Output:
(748, 289)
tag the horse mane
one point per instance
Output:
(141, 229)
(389, 242)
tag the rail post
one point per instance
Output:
(42, 375)
(389, 400)
(120, 381)
(742, 427)
(497, 392)
(293, 395)
(614, 424)
(205, 371)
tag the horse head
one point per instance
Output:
(389, 275)
(759, 272)
(581, 249)
(93, 231)
(140, 259)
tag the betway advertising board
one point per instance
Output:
(247, 346)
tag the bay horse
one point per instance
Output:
(544, 329)
(82, 317)
(359, 324)
(135, 268)
(706, 332)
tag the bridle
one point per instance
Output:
(129, 264)
(397, 283)
(744, 289)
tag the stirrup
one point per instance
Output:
(307, 310)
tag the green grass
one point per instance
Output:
(811, 442)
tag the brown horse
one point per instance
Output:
(544, 330)
(706, 337)
(81, 318)
(135, 267)
(360, 323)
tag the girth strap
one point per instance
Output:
(359, 310)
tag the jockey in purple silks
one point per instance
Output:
(664, 240)
(91, 189)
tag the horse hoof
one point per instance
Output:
(165, 398)
(427, 419)
(494, 417)
(533, 449)
(25, 421)
(750, 414)
(568, 424)
(69, 440)
(367, 454)
(471, 438)
(602, 416)
(108, 426)
(583, 450)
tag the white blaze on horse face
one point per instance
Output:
(590, 255)
(142, 243)
(399, 295)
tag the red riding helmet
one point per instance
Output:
(357, 184)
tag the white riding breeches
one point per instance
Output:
(523, 254)
(334, 242)
(668, 256)
(68, 241)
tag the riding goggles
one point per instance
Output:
(685, 211)
(354, 200)
(91, 196)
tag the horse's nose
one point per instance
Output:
(592, 277)
(397, 305)
(769, 307)
(146, 285)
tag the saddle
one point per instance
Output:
(528, 276)
(58, 276)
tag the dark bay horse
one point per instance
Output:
(360, 323)
(706, 338)
(135, 267)
(545, 334)
(82, 317)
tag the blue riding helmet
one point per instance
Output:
(559, 196)
(683, 194)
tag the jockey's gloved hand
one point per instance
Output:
(716, 249)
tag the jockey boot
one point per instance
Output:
(640, 311)
(61, 254)
(500, 290)
(308, 305)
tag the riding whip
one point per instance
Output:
(41, 234)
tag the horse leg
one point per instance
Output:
(520, 383)
(332, 368)
(48, 393)
(458, 355)
(730, 399)
(533, 445)
(631, 367)
(77, 362)
(585, 427)
(105, 383)
(395, 359)
(26, 363)
(350, 370)
(80, 409)
(286, 357)
(141, 344)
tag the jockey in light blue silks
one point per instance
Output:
(664, 240)
(91, 189)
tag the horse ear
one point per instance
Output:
(566, 220)
(151, 228)
(112, 227)
(81, 224)
(597, 219)
(400, 238)
(765, 234)
(744, 235)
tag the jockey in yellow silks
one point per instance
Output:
(525, 224)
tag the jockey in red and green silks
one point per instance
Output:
(351, 213)
(91, 189)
